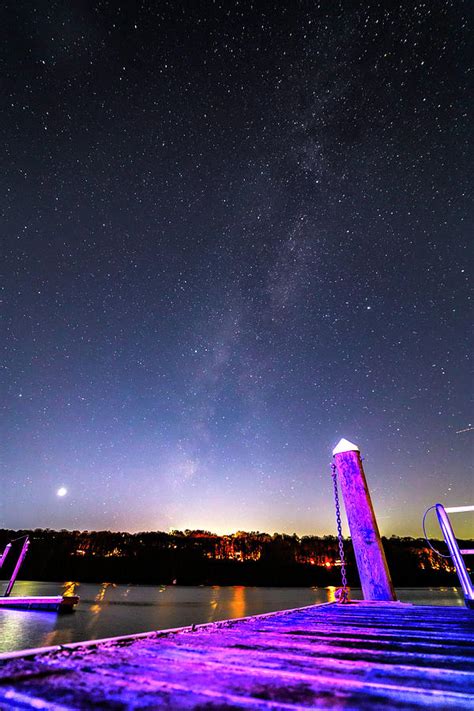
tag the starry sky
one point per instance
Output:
(232, 233)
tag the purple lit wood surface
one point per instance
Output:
(360, 656)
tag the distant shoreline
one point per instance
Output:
(193, 558)
(413, 586)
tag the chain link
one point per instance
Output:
(342, 594)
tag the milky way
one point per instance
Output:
(232, 234)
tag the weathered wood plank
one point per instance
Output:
(338, 657)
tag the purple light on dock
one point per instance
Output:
(358, 656)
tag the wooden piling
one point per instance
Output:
(370, 557)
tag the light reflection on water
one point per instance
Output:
(106, 609)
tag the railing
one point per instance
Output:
(21, 558)
(454, 550)
(4, 554)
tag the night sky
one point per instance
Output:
(232, 233)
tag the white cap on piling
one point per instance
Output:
(345, 446)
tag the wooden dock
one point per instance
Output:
(352, 657)
(50, 603)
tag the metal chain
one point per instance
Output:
(342, 594)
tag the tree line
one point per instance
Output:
(204, 558)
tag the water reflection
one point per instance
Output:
(214, 603)
(238, 601)
(100, 597)
(15, 634)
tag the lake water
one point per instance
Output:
(107, 610)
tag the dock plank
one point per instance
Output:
(359, 657)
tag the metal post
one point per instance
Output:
(20, 560)
(370, 557)
(4, 554)
(458, 560)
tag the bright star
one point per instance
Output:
(62, 491)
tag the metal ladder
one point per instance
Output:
(454, 550)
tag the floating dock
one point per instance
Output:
(353, 657)
(51, 603)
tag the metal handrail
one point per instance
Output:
(451, 542)
(5, 553)
(20, 560)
